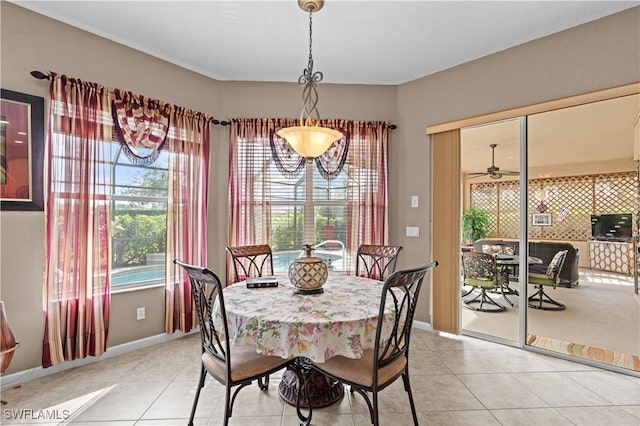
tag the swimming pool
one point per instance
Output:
(144, 274)
(147, 274)
(282, 259)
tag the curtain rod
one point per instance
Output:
(42, 76)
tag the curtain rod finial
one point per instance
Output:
(40, 75)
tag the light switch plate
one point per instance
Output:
(413, 231)
(415, 201)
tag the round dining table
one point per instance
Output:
(509, 266)
(514, 259)
(510, 262)
(277, 321)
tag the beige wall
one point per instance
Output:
(33, 42)
(595, 56)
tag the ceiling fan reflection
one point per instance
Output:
(493, 171)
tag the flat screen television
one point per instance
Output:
(611, 227)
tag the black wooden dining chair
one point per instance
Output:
(377, 262)
(389, 358)
(232, 366)
(251, 261)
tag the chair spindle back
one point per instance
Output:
(251, 261)
(376, 262)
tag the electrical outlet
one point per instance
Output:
(413, 231)
(140, 314)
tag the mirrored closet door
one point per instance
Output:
(583, 213)
(490, 286)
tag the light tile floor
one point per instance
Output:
(456, 380)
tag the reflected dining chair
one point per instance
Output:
(251, 261)
(389, 359)
(377, 262)
(480, 271)
(549, 275)
(232, 366)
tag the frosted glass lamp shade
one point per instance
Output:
(309, 141)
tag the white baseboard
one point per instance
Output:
(37, 372)
(422, 325)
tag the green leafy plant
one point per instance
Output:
(475, 224)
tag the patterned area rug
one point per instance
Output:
(618, 359)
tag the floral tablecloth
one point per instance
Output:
(279, 322)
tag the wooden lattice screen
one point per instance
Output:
(485, 196)
(570, 200)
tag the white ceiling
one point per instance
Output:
(356, 41)
(368, 42)
(600, 131)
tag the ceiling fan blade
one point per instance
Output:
(475, 175)
(510, 173)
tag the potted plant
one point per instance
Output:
(475, 224)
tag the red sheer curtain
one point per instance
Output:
(188, 140)
(79, 168)
(77, 295)
(367, 195)
(249, 183)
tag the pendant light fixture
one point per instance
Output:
(309, 139)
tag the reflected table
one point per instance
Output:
(508, 264)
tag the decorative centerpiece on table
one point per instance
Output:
(309, 273)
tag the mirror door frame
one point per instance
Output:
(446, 198)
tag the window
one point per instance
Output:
(139, 222)
(276, 199)
(290, 199)
(138, 206)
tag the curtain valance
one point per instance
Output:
(141, 125)
(289, 162)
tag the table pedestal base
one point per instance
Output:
(323, 390)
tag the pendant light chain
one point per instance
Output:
(309, 79)
(309, 139)
(310, 38)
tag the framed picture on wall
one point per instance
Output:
(21, 151)
(541, 219)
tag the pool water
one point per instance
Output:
(137, 274)
(282, 259)
(146, 274)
